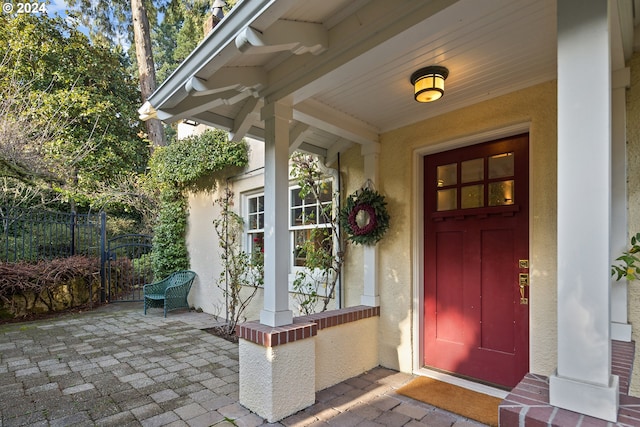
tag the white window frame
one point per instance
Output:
(293, 228)
(250, 232)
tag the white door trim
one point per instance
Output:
(418, 222)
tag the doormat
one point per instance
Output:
(470, 404)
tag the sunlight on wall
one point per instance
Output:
(537, 106)
(633, 189)
(203, 254)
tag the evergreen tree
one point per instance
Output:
(111, 20)
(68, 106)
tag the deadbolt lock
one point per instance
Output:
(523, 263)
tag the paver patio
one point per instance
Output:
(114, 366)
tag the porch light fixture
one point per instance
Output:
(428, 83)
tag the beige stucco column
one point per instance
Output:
(371, 292)
(276, 117)
(583, 382)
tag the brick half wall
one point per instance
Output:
(346, 341)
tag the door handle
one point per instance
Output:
(523, 279)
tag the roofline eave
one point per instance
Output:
(218, 44)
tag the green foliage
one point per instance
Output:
(323, 250)
(173, 37)
(178, 34)
(58, 78)
(174, 169)
(169, 246)
(110, 21)
(185, 162)
(242, 271)
(143, 267)
(15, 193)
(628, 265)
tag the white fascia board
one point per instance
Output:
(306, 147)
(297, 134)
(192, 107)
(219, 44)
(352, 44)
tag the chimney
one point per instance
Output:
(217, 13)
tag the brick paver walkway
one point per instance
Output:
(116, 367)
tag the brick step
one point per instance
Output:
(528, 403)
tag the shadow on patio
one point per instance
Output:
(115, 366)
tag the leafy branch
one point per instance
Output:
(243, 273)
(324, 249)
(176, 169)
(628, 262)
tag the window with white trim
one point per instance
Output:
(305, 215)
(255, 223)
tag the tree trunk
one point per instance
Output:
(146, 67)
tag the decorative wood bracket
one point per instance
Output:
(283, 35)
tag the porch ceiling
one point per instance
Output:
(345, 64)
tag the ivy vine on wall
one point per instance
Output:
(175, 169)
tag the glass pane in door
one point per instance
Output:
(501, 165)
(472, 170)
(501, 193)
(447, 175)
(472, 196)
(447, 199)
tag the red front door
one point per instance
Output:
(476, 321)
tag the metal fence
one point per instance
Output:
(28, 235)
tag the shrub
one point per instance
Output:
(27, 288)
(176, 168)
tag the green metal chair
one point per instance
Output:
(170, 293)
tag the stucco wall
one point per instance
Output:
(202, 240)
(204, 253)
(535, 105)
(352, 167)
(265, 380)
(345, 351)
(633, 192)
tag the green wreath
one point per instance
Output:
(364, 217)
